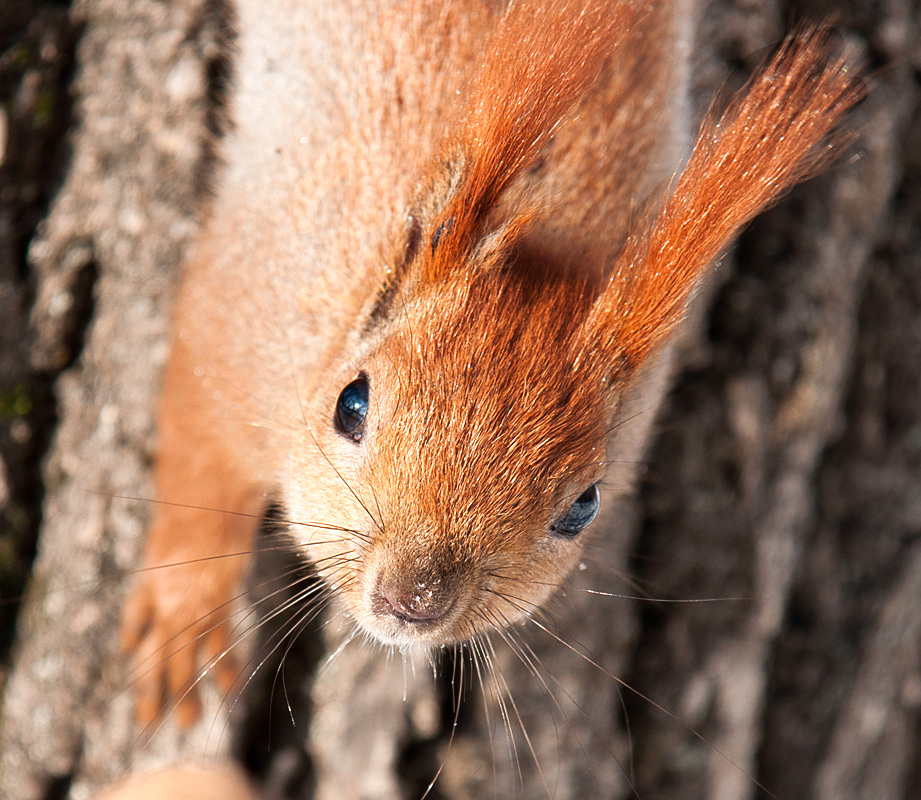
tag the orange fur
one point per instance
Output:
(540, 62)
(768, 139)
(496, 369)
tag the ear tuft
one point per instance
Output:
(540, 63)
(773, 135)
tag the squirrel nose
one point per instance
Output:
(416, 603)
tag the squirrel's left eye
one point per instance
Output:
(580, 513)
(351, 409)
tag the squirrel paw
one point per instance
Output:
(176, 627)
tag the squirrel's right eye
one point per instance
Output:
(351, 409)
(580, 514)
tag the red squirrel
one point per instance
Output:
(434, 288)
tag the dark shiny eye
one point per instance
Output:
(351, 409)
(580, 513)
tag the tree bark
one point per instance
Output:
(782, 496)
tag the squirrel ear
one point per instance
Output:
(768, 139)
(540, 62)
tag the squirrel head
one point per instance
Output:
(460, 445)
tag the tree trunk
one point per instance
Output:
(782, 498)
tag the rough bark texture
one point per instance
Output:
(784, 484)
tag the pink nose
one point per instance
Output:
(416, 605)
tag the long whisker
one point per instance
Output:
(345, 483)
(281, 632)
(121, 574)
(526, 653)
(243, 514)
(149, 732)
(225, 605)
(319, 588)
(599, 593)
(296, 631)
(319, 597)
(457, 707)
(657, 706)
(503, 709)
(353, 634)
(632, 417)
(524, 731)
(501, 623)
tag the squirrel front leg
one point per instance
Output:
(177, 619)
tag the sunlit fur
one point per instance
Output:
(774, 134)
(470, 239)
(475, 443)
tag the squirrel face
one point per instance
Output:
(467, 458)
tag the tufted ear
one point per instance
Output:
(776, 132)
(539, 64)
